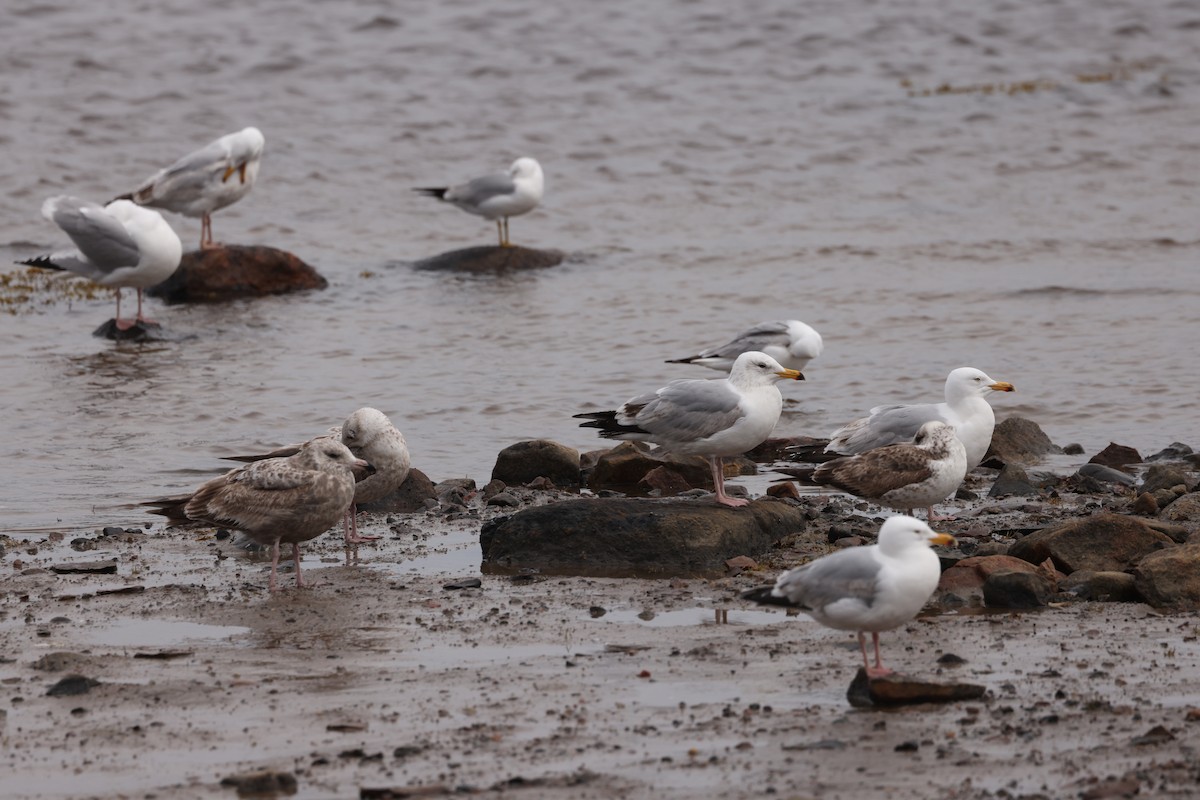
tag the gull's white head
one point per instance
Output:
(900, 533)
(248, 145)
(528, 171)
(968, 381)
(755, 368)
(328, 455)
(362, 426)
(805, 341)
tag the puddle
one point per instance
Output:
(160, 633)
(691, 616)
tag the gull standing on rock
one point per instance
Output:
(916, 474)
(712, 418)
(497, 196)
(205, 181)
(119, 245)
(790, 342)
(276, 500)
(874, 588)
(371, 436)
(965, 408)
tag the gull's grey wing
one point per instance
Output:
(846, 575)
(686, 410)
(187, 179)
(759, 337)
(480, 190)
(97, 234)
(886, 425)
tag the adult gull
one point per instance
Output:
(712, 418)
(276, 500)
(789, 341)
(497, 196)
(874, 588)
(119, 245)
(205, 181)
(966, 408)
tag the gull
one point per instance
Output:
(874, 588)
(275, 500)
(905, 476)
(497, 196)
(965, 408)
(371, 436)
(712, 418)
(789, 341)
(118, 245)
(205, 181)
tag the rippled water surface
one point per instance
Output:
(1009, 186)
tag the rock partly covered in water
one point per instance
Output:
(492, 259)
(523, 462)
(634, 536)
(231, 271)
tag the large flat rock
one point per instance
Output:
(230, 272)
(491, 258)
(634, 536)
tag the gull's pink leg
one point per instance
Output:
(719, 482)
(274, 566)
(140, 316)
(296, 561)
(350, 531)
(879, 670)
(122, 324)
(206, 238)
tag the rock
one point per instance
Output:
(60, 661)
(626, 465)
(1178, 533)
(1175, 451)
(410, 497)
(262, 784)
(138, 332)
(504, 500)
(1073, 449)
(1101, 542)
(86, 568)
(520, 463)
(1012, 480)
(491, 258)
(1105, 586)
(1145, 505)
(1099, 472)
(1019, 441)
(904, 690)
(234, 271)
(784, 489)
(1185, 509)
(663, 482)
(969, 574)
(782, 449)
(1017, 590)
(1117, 456)
(1170, 578)
(1162, 476)
(71, 686)
(634, 536)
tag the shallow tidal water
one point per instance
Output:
(1007, 186)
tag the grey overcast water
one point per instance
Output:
(1010, 186)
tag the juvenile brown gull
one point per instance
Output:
(874, 588)
(276, 500)
(119, 245)
(713, 418)
(497, 196)
(205, 181)
(790, 342)
(371, 436)
(965, 408)
(916, 474)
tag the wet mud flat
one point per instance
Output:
(179, 671)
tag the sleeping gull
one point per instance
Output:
(789, 341)
(965, 408)
(874, 588)
(204, 181)
(371, 436)
(276, 500)
(497, 196)
(119, 245)
(905, 476)
(713, 418)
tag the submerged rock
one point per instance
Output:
(905, 690)
(522, 462)
(492, 258)
(138, 332)
(634, 536)
(231, 271)
(1112, 542)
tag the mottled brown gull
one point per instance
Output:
(966, 408)
(915, 474)
(205, 181)
(790, 342)
(119, 245)
(713, 418)
(497, 196)
(276, 500)
(874, 588)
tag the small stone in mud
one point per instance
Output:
(86, 568)
(83, 544)
(464, 583)
(1156, 735)
(595, 612)
(72, 685)
(903, 690)
(950, 659)
(267, 783)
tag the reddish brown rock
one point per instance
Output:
(785, 489)
(1117, 456)
(1185, 509)
(623, 468)
(1170, 578)
(523, 462)
(1101, 542)
(230, 272)
(969, 574)
(411, 496)
(905, 690)
(491, 258)
(1019, 441)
